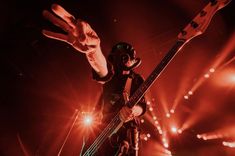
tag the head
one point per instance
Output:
(123, 57)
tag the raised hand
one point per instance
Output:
(127, 114)
(79, 34)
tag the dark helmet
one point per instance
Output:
(121, 53)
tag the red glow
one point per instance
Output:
(212, 70)
(148, 102)
(174, 129)
(199, 136)
(168, 115)
(186, 97)
(148, 135)
(180, 131)
(87, 120)
(225, 78)
(229, 144)
(142, 120)
(190, 93)
(206, 75)
(166, 145)
(150, 109)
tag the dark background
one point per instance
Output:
(43, 81)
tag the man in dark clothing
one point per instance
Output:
(117, 76)
(114, 90)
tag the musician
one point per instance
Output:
(116, 74)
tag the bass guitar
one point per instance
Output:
(196, 27)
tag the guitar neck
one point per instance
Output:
(138, 94)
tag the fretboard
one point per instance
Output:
(138, 94)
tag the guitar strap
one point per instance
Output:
(127, 89)
(131, 145)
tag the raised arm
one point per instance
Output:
(79, 35)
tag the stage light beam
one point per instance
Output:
(186, 97)
(179, 131)
(166, 145)
(229, 144)
(212, 70)
(174, 130)
(168, 115)
(172, 111)
(190, 92)
(88, 120)
(206, 75)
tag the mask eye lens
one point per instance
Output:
(125, 58)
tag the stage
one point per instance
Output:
(47, 86)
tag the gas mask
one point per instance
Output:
(123, 57)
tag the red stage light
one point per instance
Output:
(232, 78)
(225, 78)
(148, 135)
(186, 97)
(179, 131)
(174, 130)
(172, 111)
(88, 120)
(145, 138)
(199, 136)
(166, 145)
(229, 144)
(190, 93)
(168, 115)
(212, 70)
(206, 75)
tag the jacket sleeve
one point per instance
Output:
(106, 78)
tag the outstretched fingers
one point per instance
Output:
(79, 33)
(66, 16)
(56, 21)
(57, 36)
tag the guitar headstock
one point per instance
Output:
(200, 23)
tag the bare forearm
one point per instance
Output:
(98, 62)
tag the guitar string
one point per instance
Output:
(94, 146)
(110, 131)
(98, 144)
(102, 135)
